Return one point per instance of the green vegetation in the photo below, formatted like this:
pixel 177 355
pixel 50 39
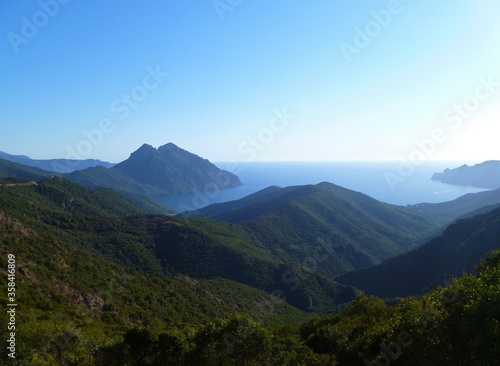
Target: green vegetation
pixel 111 178
pixel 296 223
pixel 76 286
pixel 465 206
pixel 55 165
pixel 204 248
pixel 167 170
pixel 103 222
pixel 9 169
pixel 146 203
pixel 101 282
pixel 460 247
pixel 453 325
pixel 10 180
pixel 96 177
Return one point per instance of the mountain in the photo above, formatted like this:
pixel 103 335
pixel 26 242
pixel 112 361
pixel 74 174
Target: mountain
pixel 464 205
pixel 111 178
pixel 55 165
pixel 455 324
pixel 291 225
pixel 175 170
pixel 100 282
pixel 147 174
pixel 484 175
pixel 204 248
pixel 457 250
pixel 96 239
pixel 104 222
pixel 17 173
pixel 83 279
pixel 168 170
pixel 9 169
pixel 247 207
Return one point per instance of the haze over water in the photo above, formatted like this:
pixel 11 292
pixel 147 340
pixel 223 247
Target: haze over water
pixel 366 177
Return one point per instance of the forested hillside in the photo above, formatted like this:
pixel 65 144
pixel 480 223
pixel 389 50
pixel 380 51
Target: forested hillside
pixel 461 246
pixel 99 281
pixel 290 223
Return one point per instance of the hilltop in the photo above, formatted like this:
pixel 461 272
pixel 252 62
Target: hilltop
pixel 104 282
pixel 146 175
pixel 289 224
pixel 418 271
pixel 484 175
pixel 105 223
pixel 168 170
pixel 55 165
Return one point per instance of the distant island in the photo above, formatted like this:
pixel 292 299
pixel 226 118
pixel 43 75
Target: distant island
pixel 484 175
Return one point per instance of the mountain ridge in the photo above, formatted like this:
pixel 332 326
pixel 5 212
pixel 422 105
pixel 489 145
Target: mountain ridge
pixel 463 205
pixel 288 222
pixel 103 278
pixel 103 222
pixel 482 175
pixel 168 170
pixel 420 270
pixel 55 165
pixel 9 169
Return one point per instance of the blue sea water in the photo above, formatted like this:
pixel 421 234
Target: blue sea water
pixel 385 181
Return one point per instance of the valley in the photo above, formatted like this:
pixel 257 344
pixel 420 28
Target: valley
pixel 249 183
pixel 281 257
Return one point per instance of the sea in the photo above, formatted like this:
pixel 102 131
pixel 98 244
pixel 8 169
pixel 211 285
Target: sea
pixel 396 182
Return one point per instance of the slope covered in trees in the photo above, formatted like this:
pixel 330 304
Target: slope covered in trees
pixel 289 224
pixel 457 250
pixel 168 170
pixel 101 282
pixel 105 223
pixel 462 206
pixel 55 165
pixel 9 169
pixel 453 325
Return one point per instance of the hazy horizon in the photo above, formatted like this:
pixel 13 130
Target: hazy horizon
pixel 251 81
pixel 217 162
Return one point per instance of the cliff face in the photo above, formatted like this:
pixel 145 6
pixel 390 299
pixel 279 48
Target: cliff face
pixel 175 170
pixel 166 171
pixel 484 175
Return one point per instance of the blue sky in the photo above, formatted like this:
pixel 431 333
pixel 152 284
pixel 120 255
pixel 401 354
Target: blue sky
pixel 251 80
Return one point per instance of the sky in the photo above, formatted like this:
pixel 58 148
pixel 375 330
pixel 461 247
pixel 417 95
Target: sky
pixel 260 80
